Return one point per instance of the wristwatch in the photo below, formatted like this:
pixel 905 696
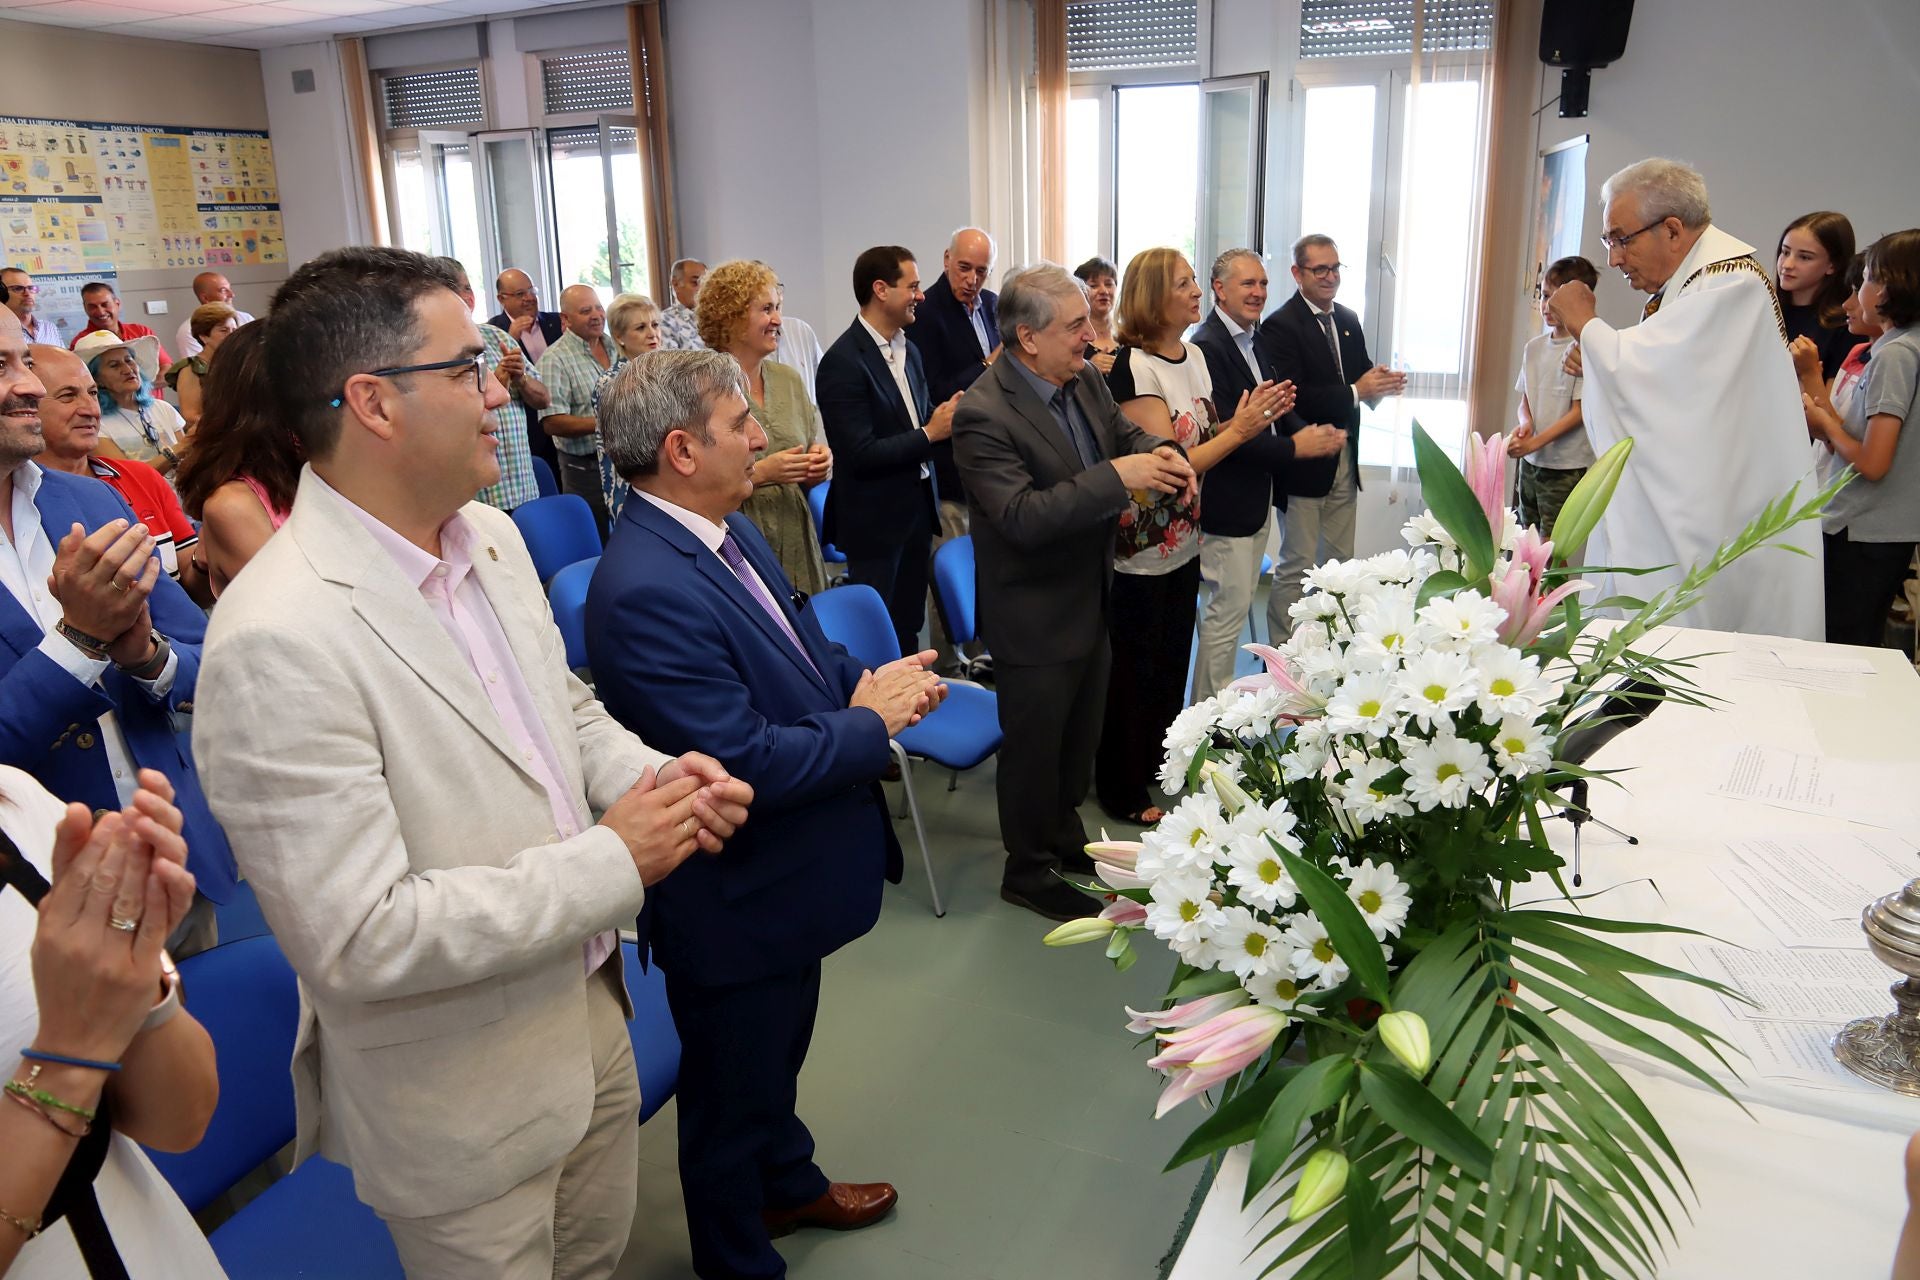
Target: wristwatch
pixel 169 1004
pixel 155 663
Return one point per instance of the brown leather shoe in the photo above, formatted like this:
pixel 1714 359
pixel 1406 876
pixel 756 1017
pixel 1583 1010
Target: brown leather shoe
pixel 847 1206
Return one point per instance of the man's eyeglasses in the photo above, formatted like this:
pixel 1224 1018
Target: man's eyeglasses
pixel 477 360
pixel 520 293
pixel 1621 242
pixel 1324 272
pixel 31 290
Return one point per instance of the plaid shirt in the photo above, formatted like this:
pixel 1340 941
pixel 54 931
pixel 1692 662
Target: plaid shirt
pixel 678 332
pixel 517 484
pixel 571 373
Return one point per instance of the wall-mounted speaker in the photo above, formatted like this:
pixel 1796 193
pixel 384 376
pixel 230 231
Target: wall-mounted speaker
pixel 1580 35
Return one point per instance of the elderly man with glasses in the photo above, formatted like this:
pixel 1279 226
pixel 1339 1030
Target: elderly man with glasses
pixel 1318 345
pixel 1705 387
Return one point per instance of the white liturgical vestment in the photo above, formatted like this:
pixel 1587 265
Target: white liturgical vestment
pixel 1705 387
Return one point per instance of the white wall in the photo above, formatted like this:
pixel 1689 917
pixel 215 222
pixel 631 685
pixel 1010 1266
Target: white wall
pixel 318 184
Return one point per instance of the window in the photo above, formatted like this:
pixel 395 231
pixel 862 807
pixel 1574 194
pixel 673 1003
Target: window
pixel 596 81
pixel 1156 168
pixel 431 99
pixel 1366 28
pixel 584 162
pixel 1113 35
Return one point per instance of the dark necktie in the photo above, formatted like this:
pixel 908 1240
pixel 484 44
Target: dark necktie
pixel 1077 434
pixel 1333 343
pixel 737 561
pixel 1653 304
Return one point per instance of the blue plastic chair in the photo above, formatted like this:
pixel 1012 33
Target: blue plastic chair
pixel 817 503
pixel 656 1043
pixel 309 1222
pixel 543 478
pixel 567 593
pixel 956 591
pixel 961 733
pixel 559 531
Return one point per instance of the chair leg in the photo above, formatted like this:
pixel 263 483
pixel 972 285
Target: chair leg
pixel 953 783
pixel 919 830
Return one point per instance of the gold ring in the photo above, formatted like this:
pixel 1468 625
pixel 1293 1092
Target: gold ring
pixel 116 584
pixel 123 925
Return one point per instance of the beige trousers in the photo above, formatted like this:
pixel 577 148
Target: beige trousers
pixel 569 1221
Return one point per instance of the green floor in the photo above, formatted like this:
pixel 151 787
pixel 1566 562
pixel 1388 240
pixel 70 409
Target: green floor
pixel 989 1078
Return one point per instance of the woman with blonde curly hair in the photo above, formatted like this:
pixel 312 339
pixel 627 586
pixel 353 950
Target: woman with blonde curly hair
pixel 738 312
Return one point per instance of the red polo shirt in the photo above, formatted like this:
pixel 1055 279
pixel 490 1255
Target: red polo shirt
pixel 154 504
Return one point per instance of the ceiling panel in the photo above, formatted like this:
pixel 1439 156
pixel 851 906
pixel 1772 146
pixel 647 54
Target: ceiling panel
pixel 257 24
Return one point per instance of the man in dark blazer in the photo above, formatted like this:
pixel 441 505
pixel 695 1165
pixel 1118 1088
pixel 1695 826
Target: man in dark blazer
pixel 98 669
pixel 957 334
pixel 694 632
pixel 1048 460
pixel 883 428
pixel 1319 346
pixel 1240 491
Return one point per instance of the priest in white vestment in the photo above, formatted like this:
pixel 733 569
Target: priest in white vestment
pixel 1706 388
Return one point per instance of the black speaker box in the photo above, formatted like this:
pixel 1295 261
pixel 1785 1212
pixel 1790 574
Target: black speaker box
pixel 1584 33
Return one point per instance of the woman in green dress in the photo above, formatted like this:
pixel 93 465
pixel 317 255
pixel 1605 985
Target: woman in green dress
pixel 738 312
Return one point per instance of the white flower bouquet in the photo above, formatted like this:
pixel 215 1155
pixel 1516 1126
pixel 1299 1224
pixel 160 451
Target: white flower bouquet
pixel 1355 985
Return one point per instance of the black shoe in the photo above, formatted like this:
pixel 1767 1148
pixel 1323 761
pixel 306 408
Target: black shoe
pixel 1077 863
pixel 1057 901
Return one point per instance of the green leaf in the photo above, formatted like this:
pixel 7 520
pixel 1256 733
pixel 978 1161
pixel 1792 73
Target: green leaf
pixel 1405 1103
pixel 1367 1229
pixel 1451 500
pixel 1236 1120
pixel 1443 583
pixel 1346 927
pixel 1207 982
pixel 1318 1086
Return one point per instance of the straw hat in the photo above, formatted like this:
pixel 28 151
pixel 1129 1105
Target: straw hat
pixel 146 351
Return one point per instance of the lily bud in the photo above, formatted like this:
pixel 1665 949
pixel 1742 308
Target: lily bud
pixel 1233 797
pixel 1322 1181
pixel 1405 1035
pixel 1074 932
pixel 1588 501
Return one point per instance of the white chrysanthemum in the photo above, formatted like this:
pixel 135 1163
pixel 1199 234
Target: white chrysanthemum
pixel 1339 577
pixel 1276 990
pixel 1382 897
pixel 1366 702
pixel 1394 566
pixel 1320 670
pixel 1186 840
pixel 1181 912
pixel 1446 772
pixel 1313 953
pixel 1424 530
pixel 1306 753
pixel 1512 682
pixel 1251 714
pixel 1246 946
pixel 1253 868
pixel 1387 631
pixel 1315 606
pixel 1466 617
pixel 1520 747
pixel 1437 684
pixel 1361 802
pixel 1509 530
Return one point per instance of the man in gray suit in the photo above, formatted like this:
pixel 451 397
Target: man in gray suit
pixel 1047 460
pixel 408 773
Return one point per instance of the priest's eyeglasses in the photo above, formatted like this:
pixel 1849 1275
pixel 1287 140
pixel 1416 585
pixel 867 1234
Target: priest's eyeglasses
pixel 1621 242
pixel 477 360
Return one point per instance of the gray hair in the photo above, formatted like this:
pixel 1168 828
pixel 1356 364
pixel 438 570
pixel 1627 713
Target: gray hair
pixel 1665 188
pixel 1314 241
pixel 1028 296
pixel 657 394
pixel 452 266
pixel 1223 264
pixel 679 271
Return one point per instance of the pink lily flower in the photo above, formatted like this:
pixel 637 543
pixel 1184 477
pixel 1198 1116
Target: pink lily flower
pixel 1487 476
pixel 1124 912
pixel 1186 1015
pixel 1200 1057
pixel 1124 854
pixel 1276 673
pixel 1527 614
pixel 1535 552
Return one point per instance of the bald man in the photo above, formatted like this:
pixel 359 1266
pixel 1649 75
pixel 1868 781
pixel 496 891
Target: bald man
pixel 571 369
pixel 208 286
pixel 957 335
pixel 520 315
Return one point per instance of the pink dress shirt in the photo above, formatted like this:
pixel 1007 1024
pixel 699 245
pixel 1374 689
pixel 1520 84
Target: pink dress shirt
pixel 461 607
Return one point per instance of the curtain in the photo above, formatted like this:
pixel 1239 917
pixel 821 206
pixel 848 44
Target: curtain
pixel 1050 85
pixel 647 52
pixel 363 135
pixel 1007 202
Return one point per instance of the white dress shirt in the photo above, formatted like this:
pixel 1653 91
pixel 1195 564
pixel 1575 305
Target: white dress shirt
pixel 1243 339
pixel 188 345
pixel 894 351
pixel 26 559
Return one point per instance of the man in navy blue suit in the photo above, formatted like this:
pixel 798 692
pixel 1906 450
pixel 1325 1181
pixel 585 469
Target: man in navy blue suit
pixel 99 649
pixel 957 334
pixel 694 632
pixel 883 427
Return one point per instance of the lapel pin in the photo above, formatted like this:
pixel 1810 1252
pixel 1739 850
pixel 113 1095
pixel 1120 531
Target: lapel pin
pixel 493 553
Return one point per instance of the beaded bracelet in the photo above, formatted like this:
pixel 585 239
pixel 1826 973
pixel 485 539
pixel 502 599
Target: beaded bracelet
pixel 25 1089
pixel 46 1115
pixel 28 1227
pixel 41 1055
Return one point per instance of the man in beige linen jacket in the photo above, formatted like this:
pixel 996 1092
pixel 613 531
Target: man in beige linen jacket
pixel 407 770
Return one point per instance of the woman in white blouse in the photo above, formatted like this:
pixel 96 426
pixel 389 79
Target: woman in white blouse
pixel 90 1007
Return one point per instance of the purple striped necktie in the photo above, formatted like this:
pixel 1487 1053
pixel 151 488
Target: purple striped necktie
pixel 737 561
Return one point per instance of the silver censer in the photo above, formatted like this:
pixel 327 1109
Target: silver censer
pixel 1887 1050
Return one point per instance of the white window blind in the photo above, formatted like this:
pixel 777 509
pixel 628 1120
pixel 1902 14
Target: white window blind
pixel 1114 35
pixel 597 81
pixel 1360 28
pixel 428 99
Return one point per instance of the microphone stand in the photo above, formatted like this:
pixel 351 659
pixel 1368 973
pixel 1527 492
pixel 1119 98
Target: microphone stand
pixel 1578 814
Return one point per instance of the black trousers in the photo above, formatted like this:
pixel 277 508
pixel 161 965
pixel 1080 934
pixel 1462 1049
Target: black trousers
pixel 1150 622
pixel 900 576
pixel 1862 578
pixel 1050 716
pixel 580 473
pixel 742 1148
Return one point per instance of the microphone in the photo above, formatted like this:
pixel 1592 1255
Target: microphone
pixel 1625 706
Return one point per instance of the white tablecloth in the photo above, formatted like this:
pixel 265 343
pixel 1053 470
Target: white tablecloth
pixel 1811 1185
